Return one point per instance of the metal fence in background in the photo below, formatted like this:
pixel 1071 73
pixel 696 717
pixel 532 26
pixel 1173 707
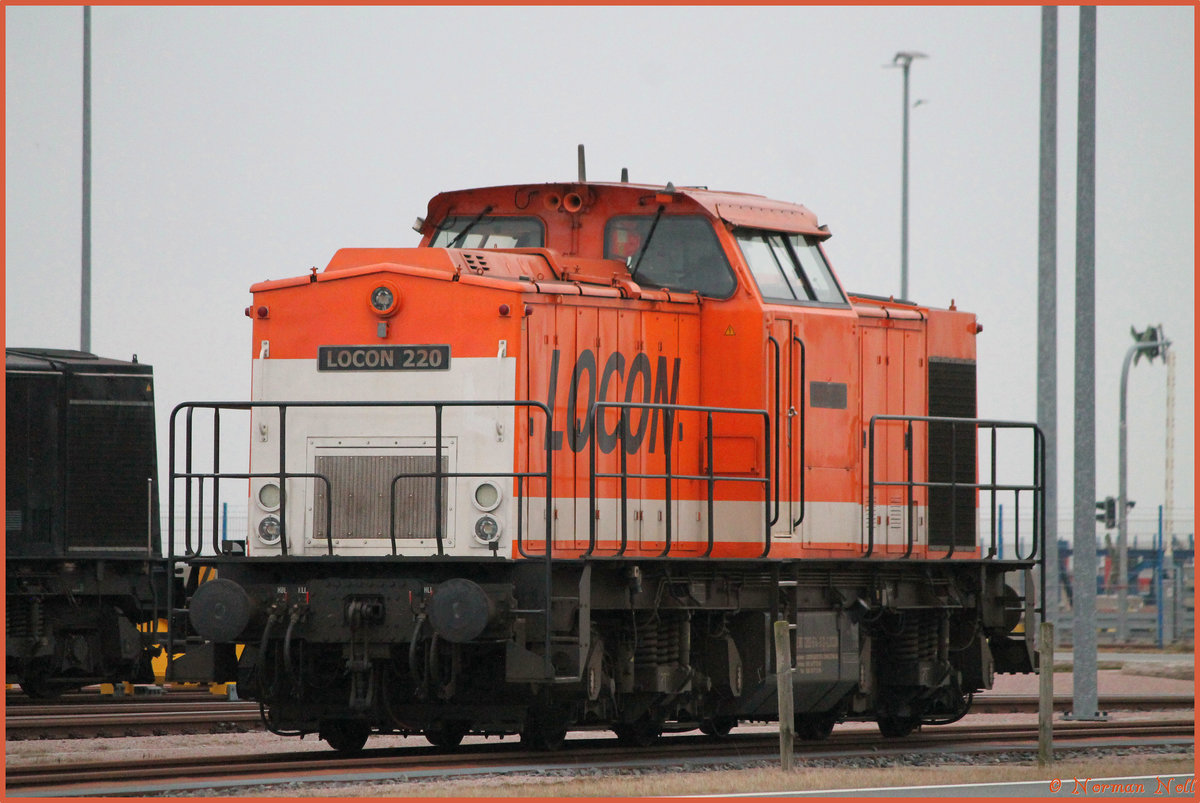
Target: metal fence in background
pixel 232 523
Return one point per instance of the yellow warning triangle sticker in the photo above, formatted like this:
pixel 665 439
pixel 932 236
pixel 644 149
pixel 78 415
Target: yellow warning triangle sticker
pixel 729 331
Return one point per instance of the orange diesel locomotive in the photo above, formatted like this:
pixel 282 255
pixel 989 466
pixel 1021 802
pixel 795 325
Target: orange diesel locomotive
pixel 566 462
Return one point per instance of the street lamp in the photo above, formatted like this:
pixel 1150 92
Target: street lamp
pixel 904 60
pixel 1151 343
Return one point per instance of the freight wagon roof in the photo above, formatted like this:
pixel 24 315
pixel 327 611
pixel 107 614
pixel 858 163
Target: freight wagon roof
pixel 62 360
pixel 737 208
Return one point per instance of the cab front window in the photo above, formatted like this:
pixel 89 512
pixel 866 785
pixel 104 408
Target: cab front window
pixel 672 252
pixel 476 231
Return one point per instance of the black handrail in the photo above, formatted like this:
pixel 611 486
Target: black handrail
pixel 282 474
pixel 803 406
pixel 217 476
pixel 710 477
pixel 771 339
pixel 1037 486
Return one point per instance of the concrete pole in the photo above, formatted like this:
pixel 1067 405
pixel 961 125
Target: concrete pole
pixel 85 294
pixel 1086 697
pixel 1047 327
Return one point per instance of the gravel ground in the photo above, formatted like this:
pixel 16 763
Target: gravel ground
pixel 827 774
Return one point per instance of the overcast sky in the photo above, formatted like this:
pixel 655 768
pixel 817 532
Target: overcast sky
pixel 232 145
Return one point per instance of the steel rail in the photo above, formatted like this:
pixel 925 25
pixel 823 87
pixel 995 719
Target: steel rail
pixel 125 716
pixel 745 747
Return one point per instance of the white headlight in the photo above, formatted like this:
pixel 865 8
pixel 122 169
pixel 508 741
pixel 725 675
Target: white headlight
pixel 487 496
pixel 268 496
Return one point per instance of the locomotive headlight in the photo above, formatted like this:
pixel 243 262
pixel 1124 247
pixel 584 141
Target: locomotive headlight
pixel 384 299
pixel 487 496
pixel 268 530
pixel 268 496
pixel 487 530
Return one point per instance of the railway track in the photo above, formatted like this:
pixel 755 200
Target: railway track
pixel 413 763
pixel 188 712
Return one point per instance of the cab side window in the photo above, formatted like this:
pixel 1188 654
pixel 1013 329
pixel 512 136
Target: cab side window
pixel 789 267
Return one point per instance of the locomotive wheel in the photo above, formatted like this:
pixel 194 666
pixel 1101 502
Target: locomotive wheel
pixel 718 726
pixel 446 735
pixel 642 733
pixel 896 727
pixel 345 735
pixel 814 727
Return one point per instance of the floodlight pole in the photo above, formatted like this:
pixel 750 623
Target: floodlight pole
pixel 85 294
pixel 904 60
pixel 1085 695
pixel 1047 328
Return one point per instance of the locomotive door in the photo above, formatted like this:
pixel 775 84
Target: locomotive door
pixel 883 383
pixel 819 444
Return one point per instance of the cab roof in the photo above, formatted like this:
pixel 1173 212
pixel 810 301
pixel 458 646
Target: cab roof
pixel 735 208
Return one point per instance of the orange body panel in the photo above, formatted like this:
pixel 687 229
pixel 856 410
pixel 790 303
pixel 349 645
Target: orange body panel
pixel 583 329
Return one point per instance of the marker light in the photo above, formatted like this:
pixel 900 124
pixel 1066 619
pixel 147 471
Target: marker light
pixel 487 530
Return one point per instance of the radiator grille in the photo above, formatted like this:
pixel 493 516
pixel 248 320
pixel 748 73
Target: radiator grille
pixel 110 457
pixel 951 454
pixel 360 486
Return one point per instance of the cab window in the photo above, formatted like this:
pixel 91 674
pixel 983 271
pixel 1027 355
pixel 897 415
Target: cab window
pixel 789 267
pixel 473 231
pixel 679 252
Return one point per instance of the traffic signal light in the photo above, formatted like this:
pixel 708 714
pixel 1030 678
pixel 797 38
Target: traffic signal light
pixel 1108 514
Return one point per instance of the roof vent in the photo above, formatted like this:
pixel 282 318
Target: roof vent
pixel 475 262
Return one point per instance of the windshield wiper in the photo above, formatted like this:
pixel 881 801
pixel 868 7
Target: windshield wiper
pixel 462 235
pixel 646 243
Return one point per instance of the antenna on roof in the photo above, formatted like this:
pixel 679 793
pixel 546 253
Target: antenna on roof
pixel 582 170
